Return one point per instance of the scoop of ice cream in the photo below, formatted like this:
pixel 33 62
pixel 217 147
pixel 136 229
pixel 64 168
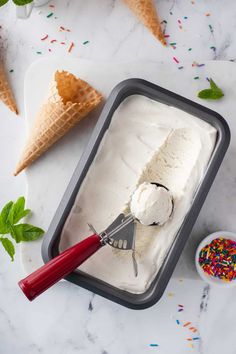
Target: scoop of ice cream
pixel 151 203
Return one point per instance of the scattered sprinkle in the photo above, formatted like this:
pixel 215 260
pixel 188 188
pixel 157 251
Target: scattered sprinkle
pixel 62 28
pixel 189 49
pixel 211 28
pixel 39 52
pixel 180 310
pixel 208 14
pixel 171 13
pixel 62 43
pixel 181 305
pixel 166 35
pixel 50 15
pixel 43 39
pixel 196 338
pixel 196 77
pixel 49 49
pixel 71 47
pixel 189 339
pixel 218 259
pixel 153 345
pixel 176 60
pixel 52 6
pixel 200 65
pixel 11 71
pixel 186 324
pixel 213 48
pixel 53 41
pixel 170 294
pixel 185 17
pixel 164 21
pixel 180 67
pixel 173 43
pixel 85 42
pixel 177 321
pixel 180 27
pixel 179 22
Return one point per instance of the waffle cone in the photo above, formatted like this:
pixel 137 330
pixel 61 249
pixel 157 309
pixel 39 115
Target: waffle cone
pixel 6 95
pixel 70 100
pixel 146 12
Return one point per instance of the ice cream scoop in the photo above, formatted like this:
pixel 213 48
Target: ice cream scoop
pixel 151 204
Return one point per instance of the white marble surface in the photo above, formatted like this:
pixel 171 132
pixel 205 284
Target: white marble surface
pixel 71 320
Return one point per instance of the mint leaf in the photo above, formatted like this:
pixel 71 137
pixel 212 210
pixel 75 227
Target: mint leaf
pixel 8 246
pixel 5 213
pixel 3 2
pixel 18 211
pixel 210 94
pixel 4 228
pixel 26 232
pixel 213 93
pixel 214 86
pixel 22 2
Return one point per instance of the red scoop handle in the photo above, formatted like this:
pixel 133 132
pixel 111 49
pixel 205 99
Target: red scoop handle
pixel 57 268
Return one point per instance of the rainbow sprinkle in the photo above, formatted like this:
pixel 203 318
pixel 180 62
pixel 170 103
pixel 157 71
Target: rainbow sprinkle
pixel 71 47
pixel 176 60
pixel 50 15
pixel 43 39
pixel 219 259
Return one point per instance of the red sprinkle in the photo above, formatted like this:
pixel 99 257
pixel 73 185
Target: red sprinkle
pixel 71 47
pixel 53 41
pixel 166 35
pixel 43 39
pixel 176 60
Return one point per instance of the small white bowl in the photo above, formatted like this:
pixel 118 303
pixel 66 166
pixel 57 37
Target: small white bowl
pixel 208 278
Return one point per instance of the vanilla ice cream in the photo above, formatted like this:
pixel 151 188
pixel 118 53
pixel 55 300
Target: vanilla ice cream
pixel 151 204
pixel 147 141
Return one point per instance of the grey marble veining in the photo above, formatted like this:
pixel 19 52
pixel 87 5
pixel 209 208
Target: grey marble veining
pixel 67 319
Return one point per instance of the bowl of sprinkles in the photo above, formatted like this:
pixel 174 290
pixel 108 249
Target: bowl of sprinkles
pixel 216 259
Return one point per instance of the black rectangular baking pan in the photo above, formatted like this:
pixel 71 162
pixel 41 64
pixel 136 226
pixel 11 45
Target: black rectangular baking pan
pixel 52 238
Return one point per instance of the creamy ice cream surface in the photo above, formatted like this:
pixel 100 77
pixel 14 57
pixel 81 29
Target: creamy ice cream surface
pixel 151 204
pixel 147 141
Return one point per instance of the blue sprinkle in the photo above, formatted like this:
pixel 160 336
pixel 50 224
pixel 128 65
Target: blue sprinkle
pixel 196 338
pixel 154 345
pixel 185 17
pixel 177 321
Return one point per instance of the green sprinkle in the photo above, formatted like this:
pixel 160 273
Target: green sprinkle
pixel 50 15
pixel 11 71
pixel 173 43
pixel 86 42
pixel 39 52
pixel 196 77
pixel 189 49
pixel 211 29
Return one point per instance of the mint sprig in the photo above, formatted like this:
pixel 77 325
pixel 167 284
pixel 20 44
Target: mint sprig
pixel 213 93
pixel 10 215
pixel 16 2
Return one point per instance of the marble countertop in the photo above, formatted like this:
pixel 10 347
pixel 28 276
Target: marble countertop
pixel 67 319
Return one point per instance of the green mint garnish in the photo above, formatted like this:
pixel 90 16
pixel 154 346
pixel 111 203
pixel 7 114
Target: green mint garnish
pixel 213 93
pixel 10 215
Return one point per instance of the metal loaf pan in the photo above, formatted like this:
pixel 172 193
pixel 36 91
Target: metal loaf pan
pixel 51 241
